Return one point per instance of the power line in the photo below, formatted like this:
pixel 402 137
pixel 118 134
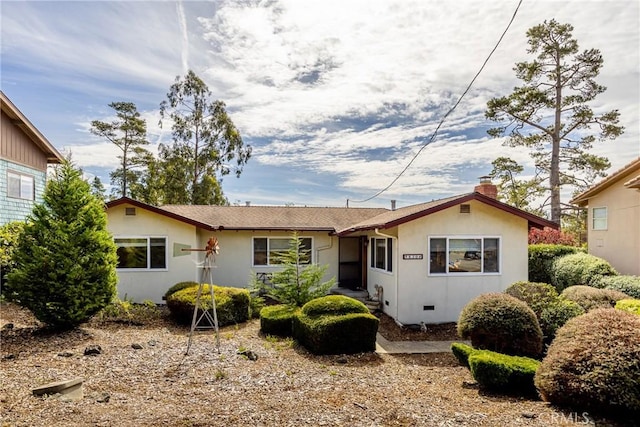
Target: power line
pixel 433 136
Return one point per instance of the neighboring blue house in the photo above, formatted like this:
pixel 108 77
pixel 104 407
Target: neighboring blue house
pixel 24 156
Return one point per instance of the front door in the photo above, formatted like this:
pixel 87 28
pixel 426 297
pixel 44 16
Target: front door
pixel 350 274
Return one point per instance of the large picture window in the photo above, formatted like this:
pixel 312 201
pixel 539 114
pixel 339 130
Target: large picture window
pixel 599 218
pixel 142 253
pixel 267 250
pixel 20 186
pixel 382 253
pixel 474 255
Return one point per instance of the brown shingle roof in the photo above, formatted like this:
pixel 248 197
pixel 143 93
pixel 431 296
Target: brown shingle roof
pixel 582 199
pixel 274 217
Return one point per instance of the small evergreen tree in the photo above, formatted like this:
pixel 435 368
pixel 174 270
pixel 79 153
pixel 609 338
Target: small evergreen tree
pixel 299 280
pixel 66 259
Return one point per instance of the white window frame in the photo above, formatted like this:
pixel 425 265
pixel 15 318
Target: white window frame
pixel 148 239
pixel 603 223
pixel 388 256
pixel 269 238
pixel 26 185
pixel 447 238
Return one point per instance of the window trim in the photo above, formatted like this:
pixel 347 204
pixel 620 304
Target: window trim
pixel 606 218
pixel 448 273
pixel 268 238
pixel 148 238
pixel 388 254
pixel 21 176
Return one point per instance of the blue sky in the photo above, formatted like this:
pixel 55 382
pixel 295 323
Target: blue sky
pixel 335 97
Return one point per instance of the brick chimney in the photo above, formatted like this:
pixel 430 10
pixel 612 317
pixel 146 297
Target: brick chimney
pixel 486 187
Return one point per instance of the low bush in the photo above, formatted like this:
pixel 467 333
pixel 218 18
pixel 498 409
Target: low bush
pixel 541 256
pixel 503 373
pixel 501 323
pixel 461 352
pixel 278 320
pixel 578 269
pixel 629 285
pixel 178 287
pixel 232 304
pixel 590 298
pixel 551 310
pixel 630 305
pixel 592 365
pixel 335 324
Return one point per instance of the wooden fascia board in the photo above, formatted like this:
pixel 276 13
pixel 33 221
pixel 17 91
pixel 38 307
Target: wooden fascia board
pixel 160 211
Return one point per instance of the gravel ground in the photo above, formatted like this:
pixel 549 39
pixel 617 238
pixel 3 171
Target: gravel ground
pixel 157 384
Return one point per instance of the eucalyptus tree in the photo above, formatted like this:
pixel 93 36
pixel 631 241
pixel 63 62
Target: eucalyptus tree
pixel 550 114
pixel 205 143
pixel 128 132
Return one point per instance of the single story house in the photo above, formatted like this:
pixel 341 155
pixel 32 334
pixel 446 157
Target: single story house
pixel 24 156
pixel 613 218
pixel 428 260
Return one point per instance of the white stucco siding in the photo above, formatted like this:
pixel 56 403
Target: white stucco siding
pixel 152 284
pixel 234 263
pixel 448 294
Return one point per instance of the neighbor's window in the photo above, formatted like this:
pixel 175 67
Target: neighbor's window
pixel 20 186
pixel 599 218
pixel 464 255
pixel 266 250
pixel 382 253
pixel 144 253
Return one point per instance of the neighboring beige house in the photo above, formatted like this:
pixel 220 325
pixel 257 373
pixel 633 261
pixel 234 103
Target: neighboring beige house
pixel 613 220
pixel 429 259
pixel 24 156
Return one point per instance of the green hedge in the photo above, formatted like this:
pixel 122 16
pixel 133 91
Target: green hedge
pixel 232 304
pixel 502 373
pixel 335 324
pixel 629 285
pixel 278 319
pixel 590 298
pixel 178 287
pixel 461 352
pixel 551 310
pixel 630 305
pixel 578 269
pixel 541 256
pixel 593 364
pixel 501 323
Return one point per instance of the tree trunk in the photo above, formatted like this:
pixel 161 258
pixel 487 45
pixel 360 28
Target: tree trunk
pixel 554 173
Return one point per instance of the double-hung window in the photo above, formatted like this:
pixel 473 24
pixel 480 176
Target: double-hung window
pixel 470 255
pixel 20 186
pixel 269 250
pixel 382 253
pixel 142 253
pixel 599 218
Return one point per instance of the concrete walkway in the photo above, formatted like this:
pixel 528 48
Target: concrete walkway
pixel 412 347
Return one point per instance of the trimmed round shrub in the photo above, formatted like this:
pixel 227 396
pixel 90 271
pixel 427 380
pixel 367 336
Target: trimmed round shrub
pixel 335 305
pixel 591 298
pixel 232 304
pixel 629 285
pixel 541 256
pixel 551 310
pixel 592 365
pixel 630 305
pixel 178 287
pixel 461 352
pixel 335 324
pixel 503 373
pixel 278 319
pixel 501 323
pixel 578 269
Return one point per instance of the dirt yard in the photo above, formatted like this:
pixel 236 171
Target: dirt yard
pixel 142 377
